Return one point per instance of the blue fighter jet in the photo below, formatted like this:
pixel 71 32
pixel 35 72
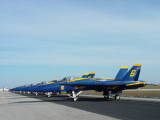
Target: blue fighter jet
pixel 110 88
pixel 74 86
pixel 54 86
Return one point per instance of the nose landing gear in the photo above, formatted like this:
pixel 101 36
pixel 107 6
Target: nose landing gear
pixel 75 95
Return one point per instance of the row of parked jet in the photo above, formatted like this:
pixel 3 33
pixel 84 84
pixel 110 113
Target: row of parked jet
pixel 73 86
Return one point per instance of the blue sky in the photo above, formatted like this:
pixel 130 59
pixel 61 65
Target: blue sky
pixel 44 40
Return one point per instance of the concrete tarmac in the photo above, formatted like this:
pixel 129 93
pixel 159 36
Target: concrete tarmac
pixel 123 109
pixel 19 107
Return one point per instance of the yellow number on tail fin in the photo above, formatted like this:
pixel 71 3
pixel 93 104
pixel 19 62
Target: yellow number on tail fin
pixel 132 73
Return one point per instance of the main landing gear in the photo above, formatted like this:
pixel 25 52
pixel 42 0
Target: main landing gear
pixel 48 94
pixel 110 94
pixel 107 94
pixel 75 95
pixel 36 93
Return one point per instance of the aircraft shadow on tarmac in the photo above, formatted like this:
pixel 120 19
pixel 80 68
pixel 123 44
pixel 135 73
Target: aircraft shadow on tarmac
pixel 16 97
pixel 26 102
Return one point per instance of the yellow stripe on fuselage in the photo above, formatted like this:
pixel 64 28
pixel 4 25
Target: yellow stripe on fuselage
pixel 48 83
pixel 76 79
pixel 106 78
pixel 79 87
pixel 143 83
pixel 54 80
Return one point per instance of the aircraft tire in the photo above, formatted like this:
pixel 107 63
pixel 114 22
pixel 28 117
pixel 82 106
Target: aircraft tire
pixel 117 97
pixel 75 99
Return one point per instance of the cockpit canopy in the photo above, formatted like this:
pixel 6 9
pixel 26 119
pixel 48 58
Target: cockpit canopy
pixel 68 78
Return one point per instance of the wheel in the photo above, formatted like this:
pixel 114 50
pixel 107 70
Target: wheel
pixel 117 97
pixel 75 99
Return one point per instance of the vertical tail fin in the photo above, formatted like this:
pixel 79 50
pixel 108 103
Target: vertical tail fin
pixel 122 72
pixel 91 75
pixel 85 75
pixel 133 73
